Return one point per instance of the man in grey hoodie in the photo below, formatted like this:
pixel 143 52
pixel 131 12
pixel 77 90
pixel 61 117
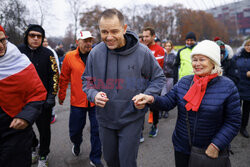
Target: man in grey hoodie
pixel 118 69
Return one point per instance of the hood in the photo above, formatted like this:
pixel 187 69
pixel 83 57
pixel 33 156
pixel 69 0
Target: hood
pixel 239 50
pixel 230 51
pixel 33 27
pixel 132 45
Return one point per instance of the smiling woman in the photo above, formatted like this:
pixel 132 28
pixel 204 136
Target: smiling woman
pixel 208 104
pixel 202 65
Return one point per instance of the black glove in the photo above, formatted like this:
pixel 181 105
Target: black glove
pixel 49 103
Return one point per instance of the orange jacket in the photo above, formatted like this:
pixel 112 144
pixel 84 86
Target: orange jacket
pixel 72 70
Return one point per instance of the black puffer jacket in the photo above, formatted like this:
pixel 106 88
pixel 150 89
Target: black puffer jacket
pixel 230 70
pixel 242 60
pixel 217 120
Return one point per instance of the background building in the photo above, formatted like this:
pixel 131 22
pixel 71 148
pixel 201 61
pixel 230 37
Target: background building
pixel 236 16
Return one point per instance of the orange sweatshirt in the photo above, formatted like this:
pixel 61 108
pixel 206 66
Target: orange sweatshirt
pixel 72 70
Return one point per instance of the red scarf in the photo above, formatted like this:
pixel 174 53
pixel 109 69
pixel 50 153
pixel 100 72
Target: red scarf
pixel 197 91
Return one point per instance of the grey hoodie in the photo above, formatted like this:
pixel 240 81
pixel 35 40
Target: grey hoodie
pixel 121 75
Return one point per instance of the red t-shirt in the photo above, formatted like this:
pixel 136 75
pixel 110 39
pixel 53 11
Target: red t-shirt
pixel 158 52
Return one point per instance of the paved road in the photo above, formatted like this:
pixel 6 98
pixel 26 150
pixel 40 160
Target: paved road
pixel 154 152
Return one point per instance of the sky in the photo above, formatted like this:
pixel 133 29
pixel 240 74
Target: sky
pixel 59 14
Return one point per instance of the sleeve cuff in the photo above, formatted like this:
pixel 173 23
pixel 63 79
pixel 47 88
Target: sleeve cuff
pixel 215 146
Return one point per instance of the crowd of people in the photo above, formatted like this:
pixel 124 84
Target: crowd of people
pixel 116 82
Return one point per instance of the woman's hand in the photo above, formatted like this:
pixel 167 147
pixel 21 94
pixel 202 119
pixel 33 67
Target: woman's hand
pixel 212 151
pixel 141 100
pixel 248 74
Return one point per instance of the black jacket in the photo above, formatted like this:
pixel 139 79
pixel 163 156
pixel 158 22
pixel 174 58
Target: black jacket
pixel 242 59
pixel 230 70
pixel 45 64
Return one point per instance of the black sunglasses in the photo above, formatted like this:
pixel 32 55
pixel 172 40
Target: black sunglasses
pixel 38 36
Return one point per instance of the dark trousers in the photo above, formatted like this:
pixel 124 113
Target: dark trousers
pixel 43 126
pixel 120 146
pixel 245 113
pixel 15 145
pixel 181 160
pixel 77 122
pixel 155 116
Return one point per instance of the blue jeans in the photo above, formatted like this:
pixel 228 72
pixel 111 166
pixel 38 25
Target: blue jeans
pixel 77 121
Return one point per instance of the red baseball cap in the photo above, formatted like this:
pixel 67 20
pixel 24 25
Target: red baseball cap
pixel 1 29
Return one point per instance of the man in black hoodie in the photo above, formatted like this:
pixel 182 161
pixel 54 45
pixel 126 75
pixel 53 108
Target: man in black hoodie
pixel 45 64
pixel 117 69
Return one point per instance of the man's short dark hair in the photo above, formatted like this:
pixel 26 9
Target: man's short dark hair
pixel 152 31
pixel 110 13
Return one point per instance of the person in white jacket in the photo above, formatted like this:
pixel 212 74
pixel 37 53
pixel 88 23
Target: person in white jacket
pixel 46 44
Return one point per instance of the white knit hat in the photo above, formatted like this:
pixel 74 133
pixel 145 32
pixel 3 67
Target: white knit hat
pixel 209 49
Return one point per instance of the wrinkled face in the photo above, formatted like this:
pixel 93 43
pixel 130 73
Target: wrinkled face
pixel 247 47
pixel 34 39
pixel 45 42
pixel 202 65
pixel 85 45
pixel 3 44
pixel 190 42
pixel 168 47
pixel 112 32
pixel 148 38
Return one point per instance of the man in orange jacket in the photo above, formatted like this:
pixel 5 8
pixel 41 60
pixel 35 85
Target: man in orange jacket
pixel 72 70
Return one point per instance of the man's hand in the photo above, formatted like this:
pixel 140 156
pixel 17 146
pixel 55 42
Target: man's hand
pixel 141 100
pixel 212 151
pixel 60 101
pixel 18 123
pixel 101 99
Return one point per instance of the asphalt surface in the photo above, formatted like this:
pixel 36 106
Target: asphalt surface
pixel 153 152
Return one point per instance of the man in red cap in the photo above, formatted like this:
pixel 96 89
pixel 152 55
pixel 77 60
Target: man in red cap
pixel 22 95
pixel 72 70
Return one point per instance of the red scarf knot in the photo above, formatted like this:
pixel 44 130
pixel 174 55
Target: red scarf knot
pixel 197 91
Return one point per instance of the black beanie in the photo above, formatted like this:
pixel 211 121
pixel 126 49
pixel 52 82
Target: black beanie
pixel 191 35
pixel 33 27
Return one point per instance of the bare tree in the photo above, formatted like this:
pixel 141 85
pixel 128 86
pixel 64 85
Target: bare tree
pixel 13 19
pixel 89 20
pixel 42 8
pixel 69 37
pixel 75 6
pixel 201 23
pixel 39 10
pixel 134 16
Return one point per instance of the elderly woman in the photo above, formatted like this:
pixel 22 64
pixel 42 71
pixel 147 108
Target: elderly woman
pixel 209 100
pixel 243 63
